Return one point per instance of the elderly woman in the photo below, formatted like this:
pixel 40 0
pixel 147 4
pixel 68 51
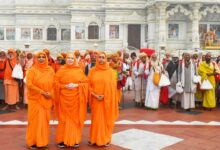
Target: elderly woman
pixel 40 81
pixel 71 102
pixel 103 101
pixel 153 90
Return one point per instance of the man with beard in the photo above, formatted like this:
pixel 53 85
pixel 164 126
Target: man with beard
pixel 153 89
pixel 208 70
pixel 59 62
pixel 133 61
pixel 11 85
pixel 164 91
pixel 91 64
pixel 126 71
pixel 187 71
pixel 141 70
pixel 172 69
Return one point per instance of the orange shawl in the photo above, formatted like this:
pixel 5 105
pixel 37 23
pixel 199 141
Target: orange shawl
pixel 102 82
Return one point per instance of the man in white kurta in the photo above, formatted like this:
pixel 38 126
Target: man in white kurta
pixel 152 90
pixel 187 71
pixel 140 71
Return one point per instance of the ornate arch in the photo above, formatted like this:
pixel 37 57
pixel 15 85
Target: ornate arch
pixel 181 9
pixel 93 19
pixel 52 22
pixel 213 9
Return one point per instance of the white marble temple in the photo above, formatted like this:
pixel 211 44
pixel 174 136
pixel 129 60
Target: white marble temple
pixel 187 15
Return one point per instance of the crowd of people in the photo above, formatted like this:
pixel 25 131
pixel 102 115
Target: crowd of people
pixel 75 81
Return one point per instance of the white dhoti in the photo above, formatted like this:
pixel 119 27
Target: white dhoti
pixel 129 83
pixel 188 100
pixel 140 88
pixel 152 94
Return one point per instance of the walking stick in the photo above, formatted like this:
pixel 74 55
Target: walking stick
pixel 141 92
pixel 123 100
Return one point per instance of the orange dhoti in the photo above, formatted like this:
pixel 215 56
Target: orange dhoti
pixel 38 125
pixel 100 131
pixel 69 132
pixel 104 112
pixel 11 92
pixel 72 112
pixel 70 104
pixel 40 79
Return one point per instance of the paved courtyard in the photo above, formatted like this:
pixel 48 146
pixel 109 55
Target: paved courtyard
pixel 136 128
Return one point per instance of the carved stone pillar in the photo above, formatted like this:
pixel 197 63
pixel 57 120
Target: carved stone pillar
pixel 151 21
pixel 162 31
pixel 195 25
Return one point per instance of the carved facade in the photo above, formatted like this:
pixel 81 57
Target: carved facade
pixel 165 24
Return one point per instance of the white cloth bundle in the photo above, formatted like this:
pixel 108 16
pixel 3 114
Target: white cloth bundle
pixel 206 85
pixel 172 92
pixel 17 72
pixel 179 88
pixel 164 80
pixel 197 79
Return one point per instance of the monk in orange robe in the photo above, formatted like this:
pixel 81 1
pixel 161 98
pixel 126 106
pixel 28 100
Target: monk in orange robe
pixel 59 62
pixel 103 101
pixel 116 65
pixel 79 60
pixel 71 88
pixel 51 61
pixel 11 85
pixel 39 82
pixel 28 65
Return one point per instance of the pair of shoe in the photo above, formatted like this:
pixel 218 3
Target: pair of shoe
pixel 35 146
pixel 106 145
pixel 62 145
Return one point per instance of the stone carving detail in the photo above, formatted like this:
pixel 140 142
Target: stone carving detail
pixel 181 9
pixel 213 9
pixel 134 17
pixel 150 3
pixel 93 18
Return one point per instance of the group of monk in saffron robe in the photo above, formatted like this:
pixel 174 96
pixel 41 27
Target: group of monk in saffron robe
pixel 75 81
pixel 69 90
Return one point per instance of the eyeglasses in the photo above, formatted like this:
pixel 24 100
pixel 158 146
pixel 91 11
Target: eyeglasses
pixel 101 57
pixel 41 57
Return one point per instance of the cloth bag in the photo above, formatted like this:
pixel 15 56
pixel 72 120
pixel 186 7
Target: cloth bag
pixel 197 79
pixel 171 91
pixel 179 88
pixel 206 85
pixel 17 72
pixel 156 78
pixel 164 81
